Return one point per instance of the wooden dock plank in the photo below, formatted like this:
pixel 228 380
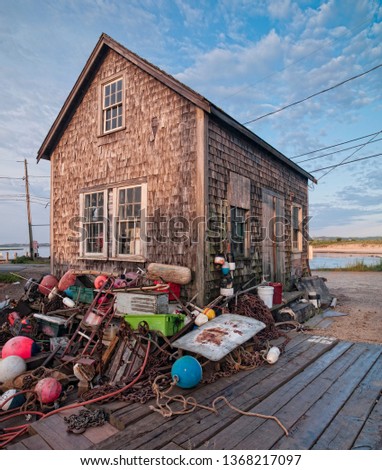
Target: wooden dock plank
pixel 370 437
pixel 233 434
pixel 306 430
pixel 17 446
pixel 207 429
pixel 54 431
pixel 154 427
pixel 345 427
pixel 36 442
pixel 172 446
pixel 243 393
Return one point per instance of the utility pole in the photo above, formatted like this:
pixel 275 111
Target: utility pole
pixel 31 250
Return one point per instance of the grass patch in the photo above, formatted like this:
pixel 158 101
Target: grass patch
pixel 357 266
pixel 8 278
pixel 340 241
pixel 27 260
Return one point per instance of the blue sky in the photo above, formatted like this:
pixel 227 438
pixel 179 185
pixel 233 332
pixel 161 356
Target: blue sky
pixel 248 57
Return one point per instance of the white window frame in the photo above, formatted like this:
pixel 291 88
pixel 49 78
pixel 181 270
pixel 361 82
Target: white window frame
pixel 91 255
pixel 140 247
pixel 114 104
pixel 298 242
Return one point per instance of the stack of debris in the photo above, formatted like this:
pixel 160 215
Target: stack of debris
pixel 90 337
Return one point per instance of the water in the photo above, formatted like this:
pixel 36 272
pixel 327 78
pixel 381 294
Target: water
pixel 43 251
pixel 341 260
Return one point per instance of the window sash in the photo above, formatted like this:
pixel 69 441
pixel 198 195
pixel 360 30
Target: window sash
pixel 129 202
pixel 93 223
pixel 112 105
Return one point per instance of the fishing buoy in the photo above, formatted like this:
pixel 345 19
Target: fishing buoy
pixel 210 313
pixel 187 371
pixel 8 401
pixel 100 281
pixel 273 355
pixel 21 346
pixel 11 367
pixel 169 273
pixel 67 280
pixel 68 302
pixel 201 319
pixel 47 284
pixel 48 390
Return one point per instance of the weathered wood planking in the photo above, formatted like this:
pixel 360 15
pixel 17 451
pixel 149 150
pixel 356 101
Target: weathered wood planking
pixel 35 442
pixel 54 431
pixel 345 427
pixel 370 436
pixel 210 426
pixel 306 430
pixel 292 401
pixel 154 432
pixel 231 435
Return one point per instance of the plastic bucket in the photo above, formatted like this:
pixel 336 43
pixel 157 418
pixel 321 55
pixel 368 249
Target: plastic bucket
pixel 278 292
pixel 266 295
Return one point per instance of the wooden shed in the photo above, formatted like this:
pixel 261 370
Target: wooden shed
pixel 144 169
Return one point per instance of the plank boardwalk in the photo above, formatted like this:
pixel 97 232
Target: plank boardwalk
pixel 325 392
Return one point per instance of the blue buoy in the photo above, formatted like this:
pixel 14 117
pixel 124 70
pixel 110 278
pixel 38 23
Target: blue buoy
pixel 187 371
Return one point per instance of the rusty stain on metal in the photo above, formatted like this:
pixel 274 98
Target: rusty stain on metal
pixel 211 335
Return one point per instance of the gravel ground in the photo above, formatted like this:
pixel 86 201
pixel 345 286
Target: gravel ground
pixel 359 294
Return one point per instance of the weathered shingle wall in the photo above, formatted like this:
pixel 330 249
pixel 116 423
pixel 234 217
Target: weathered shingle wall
pixel 231 152
pixel 158 146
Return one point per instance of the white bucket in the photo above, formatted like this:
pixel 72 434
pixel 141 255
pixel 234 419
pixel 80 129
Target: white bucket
pixel 266 295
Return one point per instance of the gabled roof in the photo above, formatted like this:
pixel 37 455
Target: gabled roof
pixel 104 44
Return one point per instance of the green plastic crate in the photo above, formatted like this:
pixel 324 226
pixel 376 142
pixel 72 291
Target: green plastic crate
pixel 84 295
pixel 168 324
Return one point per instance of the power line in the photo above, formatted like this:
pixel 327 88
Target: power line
pixel 314 94
pixel 346 163
pixel 335 145
pixel 347 158
pixel 337 151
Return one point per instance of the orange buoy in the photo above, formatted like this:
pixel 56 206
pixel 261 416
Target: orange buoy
pixel 48 390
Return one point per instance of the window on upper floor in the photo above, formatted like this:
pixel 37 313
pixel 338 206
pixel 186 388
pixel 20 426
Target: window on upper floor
pixel 112 106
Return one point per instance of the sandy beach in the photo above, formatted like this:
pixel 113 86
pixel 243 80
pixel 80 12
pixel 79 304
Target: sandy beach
pixel 358 248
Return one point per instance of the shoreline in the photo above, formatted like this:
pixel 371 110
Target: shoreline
pixel 352 248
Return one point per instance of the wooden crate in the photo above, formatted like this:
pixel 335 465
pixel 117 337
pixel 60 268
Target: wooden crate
pixel 133 303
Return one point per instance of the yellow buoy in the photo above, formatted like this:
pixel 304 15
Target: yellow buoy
pixel 210 313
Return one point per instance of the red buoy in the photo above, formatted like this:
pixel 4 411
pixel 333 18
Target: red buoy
pixel 21 346
pixel 47 284
pixel 100 281
pixel 48 390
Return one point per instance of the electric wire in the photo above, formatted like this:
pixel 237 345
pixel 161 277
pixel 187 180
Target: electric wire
pixel 349 156
pixel 313 95
pixel 345 163
pixel 336 151
pixel 335 145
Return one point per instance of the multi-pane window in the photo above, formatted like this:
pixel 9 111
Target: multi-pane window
pixel 238 238
pixel 112 105
pixel 296 228
pixel 128 223
pixel 94 224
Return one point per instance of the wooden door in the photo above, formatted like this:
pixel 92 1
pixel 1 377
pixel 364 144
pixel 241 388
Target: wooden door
pixel 273 222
